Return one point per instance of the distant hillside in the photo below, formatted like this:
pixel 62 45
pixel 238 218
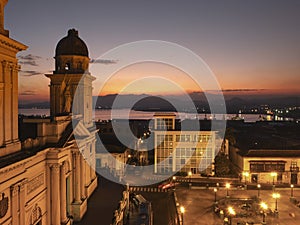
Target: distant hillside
pixel 39 105
pixel 168 103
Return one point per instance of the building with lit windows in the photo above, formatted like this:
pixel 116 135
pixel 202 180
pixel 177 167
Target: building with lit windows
pixel 188 150
pixel 267 152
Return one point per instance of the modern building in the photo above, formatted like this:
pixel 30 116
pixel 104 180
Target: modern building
pixel 47 175
pixel 267 152
pixel 182 146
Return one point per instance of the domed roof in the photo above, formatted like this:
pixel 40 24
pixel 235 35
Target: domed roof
pixel 71 45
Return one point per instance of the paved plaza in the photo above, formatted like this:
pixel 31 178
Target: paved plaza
pixel 198 204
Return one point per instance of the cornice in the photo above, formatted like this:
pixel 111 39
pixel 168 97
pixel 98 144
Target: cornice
pixel 8 42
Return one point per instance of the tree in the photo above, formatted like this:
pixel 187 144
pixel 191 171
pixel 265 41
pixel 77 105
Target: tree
pixel 222 165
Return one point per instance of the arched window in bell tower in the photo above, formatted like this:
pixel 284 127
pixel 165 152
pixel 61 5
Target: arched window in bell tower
pixel 68 66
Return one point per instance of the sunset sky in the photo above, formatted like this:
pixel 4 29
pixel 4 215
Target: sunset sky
pixel 249 45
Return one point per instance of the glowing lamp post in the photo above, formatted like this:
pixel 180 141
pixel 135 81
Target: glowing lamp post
pixel 231 212
pixel 276 196
pixel 182 210
pixel 292 191
pixel 264 207
pixel 190 179
pixel 258 191
pixel 227 185
pixel 215 191
pixel 174 182
pixel 273 175
pixel 246 175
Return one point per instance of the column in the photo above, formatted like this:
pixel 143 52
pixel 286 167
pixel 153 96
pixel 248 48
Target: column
pixel 91 170
pixel 22 203
pixel 93 161
pixel 14 91
pixel 77 177
pixel 7 101
pixel 63 195
pixel 82 176
pixel 14 204
pixel 55 194
pixel 1 112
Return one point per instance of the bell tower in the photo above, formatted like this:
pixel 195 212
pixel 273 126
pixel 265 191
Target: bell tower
pixel 71 82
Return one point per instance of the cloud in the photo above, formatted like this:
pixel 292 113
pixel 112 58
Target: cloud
pixel 29 59
pixel 27 92
pixel 104 61
pixel 31 63
pixel 29 73
pixel 242 90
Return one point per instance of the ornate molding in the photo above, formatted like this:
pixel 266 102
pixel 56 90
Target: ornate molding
pixel 6 65
pixel 12 44
pixel 4 171
pixel 55 167
pixel 36 214
pixel 67 166
pixel 22 185
pixel 35 183
pixel 14 190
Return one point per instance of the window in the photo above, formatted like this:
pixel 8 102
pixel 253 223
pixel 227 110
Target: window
pixel 183 138
pixel 267 166
pixel 68 66
pixel 164 123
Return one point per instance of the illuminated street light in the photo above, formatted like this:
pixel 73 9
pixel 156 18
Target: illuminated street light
pixel 246 175
pixel 190 178
pixel 182 210
pixel 276 196
pixel 231 212
pixel 264 207
pixel 292 191
pixel 227 185
pixel 258 191
pixel 174 182
pixel 215 191
pixel 273 174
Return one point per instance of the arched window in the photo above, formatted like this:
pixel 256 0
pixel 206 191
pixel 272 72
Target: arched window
pixel 68 66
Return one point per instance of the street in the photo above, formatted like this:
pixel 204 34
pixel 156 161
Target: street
pixel 102 203
pixel 164 210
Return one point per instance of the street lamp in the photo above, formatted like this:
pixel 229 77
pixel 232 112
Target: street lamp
pixel 227 185
pixel 190 178
pixel 264 207
pixel 231 212
pixel 258 190
pixel 182 210
pixel 246 175
pixel 174 182
pixel 215 191
pixel 292 191
pixel 273 174
pixel 276 196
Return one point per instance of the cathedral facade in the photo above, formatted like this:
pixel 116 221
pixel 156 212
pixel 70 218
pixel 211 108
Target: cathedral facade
pixel 48 173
